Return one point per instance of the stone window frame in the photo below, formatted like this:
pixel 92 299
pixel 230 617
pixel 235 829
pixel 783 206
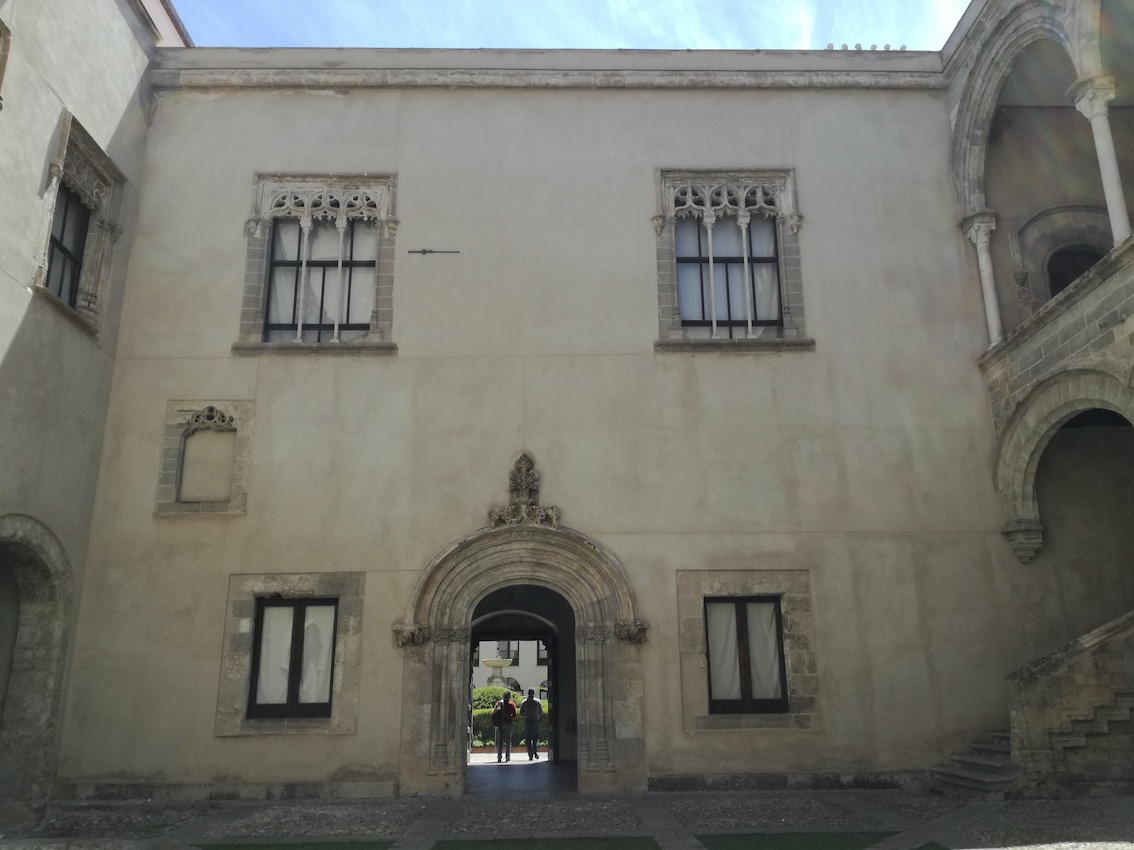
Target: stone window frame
pixel 184 417
pixel 800 658
pixel 236 660
pixel 370 197
pixel 779 186
pixel 1044 234
pixel 81 165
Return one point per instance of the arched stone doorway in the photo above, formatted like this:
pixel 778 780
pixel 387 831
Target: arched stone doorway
pixel 524 546
pixel 35 569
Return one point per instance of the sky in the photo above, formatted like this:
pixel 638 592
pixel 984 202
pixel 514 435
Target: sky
pixel 595 24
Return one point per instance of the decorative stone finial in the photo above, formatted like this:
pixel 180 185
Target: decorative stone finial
pixel 524 507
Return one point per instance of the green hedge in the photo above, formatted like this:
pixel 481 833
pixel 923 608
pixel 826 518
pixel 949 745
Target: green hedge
pixel 484 733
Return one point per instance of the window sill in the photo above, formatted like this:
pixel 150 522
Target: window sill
pixel 329 349
pixel 725 722
pixel 735 346
pixel 198 509
pixel 69 312
pixel 283 726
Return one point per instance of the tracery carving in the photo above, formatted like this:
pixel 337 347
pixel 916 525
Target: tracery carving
pixel 410 635
pixel 710 195
pixel 631 631
pixel 524 507
pixel 461 634
pixel 593 633
pixel 210 419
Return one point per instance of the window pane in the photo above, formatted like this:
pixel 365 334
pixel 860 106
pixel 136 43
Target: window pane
pixel 726 238
pixel 59 214
pixel 331 296
pixel 275 655
pixel 764 650
pixel 766 281
pixel 281 299
pixel 737 304
pixel 720 291
pixel 762 237
pixel 361 300
pixel 365 241
pixel 689 290
pixel 75 226
pixel 286 243
pixel 323 243
pixel 724 661
pixel 311 307
pixel 686 233
pixel 318 654
pixel 55 270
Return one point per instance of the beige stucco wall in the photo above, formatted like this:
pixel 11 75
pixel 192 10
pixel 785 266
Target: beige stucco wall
pixel 87 58
pixel 865 462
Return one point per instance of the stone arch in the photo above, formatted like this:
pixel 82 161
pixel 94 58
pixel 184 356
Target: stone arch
pixel 1050 404
pixel 28 728
pixel 1044 234
pixel 437 631
pixel 1024 26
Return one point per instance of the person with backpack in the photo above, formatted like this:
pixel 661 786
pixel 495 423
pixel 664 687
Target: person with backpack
pixel 531 710
pixel 503 713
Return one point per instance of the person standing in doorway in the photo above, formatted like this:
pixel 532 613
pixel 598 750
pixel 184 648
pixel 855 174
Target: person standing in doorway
pixel 532 711
pixel 507 710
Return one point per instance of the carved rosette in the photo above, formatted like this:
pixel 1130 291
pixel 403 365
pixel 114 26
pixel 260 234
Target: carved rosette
pixel 1025 536
pixel 631 631
pixel 524 507
pixel 210 419
pixel 410 635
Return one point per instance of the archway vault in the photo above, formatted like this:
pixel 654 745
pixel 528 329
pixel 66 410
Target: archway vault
pixel 28 728
pixel 524 545
pixel 1051 403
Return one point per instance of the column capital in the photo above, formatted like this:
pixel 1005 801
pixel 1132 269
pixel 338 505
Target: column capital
pixel 1092 94
pixel 978 226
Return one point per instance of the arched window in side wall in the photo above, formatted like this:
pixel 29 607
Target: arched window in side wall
pixel 1068 264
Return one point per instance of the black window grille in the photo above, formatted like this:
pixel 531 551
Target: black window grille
pixel 68 240
pixel 293 654
pixel 694 293
pixel 310 293
pixel 508 649
pixel 541 654
pixel 745 645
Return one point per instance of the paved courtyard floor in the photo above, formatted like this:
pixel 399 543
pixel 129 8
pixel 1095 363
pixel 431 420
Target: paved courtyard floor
pixel 890 820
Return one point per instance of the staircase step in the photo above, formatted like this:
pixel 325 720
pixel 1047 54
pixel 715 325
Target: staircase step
pixel 1001 736
pixel 978 779
pixel 991 747
pixel 998 764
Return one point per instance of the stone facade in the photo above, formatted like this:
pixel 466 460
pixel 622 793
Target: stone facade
pixel 543 444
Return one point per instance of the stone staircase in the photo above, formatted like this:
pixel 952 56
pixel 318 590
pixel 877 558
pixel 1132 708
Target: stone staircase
pixel 987 767
pixel 1101 722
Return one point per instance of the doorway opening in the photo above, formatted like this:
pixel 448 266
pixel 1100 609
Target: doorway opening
pixel 533 629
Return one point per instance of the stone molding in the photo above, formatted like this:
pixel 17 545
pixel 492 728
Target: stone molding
pixel 183 418
pixel 707 195
pixel 435 637
pixel 239 630
pixel 28 728
pixel 80 165
pixel 308 197
pixel 316 79
pixel 1051 403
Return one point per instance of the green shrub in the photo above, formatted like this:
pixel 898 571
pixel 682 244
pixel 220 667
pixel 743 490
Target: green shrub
pixel 484 733
pixel 488 697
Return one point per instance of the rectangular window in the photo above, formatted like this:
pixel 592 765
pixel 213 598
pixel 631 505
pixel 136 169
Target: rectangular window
pixel 321 280
pixel 68 241
pixel 508 649
pixel 747 674
pixel 732 264
pixel 541 654
pixel 293 655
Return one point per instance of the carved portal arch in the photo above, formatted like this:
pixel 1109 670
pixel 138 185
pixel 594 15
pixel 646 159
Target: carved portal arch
pixel 42 574
pixel 437 631
pixel 1049 405
pixel 1023 27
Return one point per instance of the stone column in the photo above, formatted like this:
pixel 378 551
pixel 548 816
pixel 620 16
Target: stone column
pixel 978 227
pixel 1091 97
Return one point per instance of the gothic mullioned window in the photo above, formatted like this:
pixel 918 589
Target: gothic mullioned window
pixel 320 269
pixel 728 260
